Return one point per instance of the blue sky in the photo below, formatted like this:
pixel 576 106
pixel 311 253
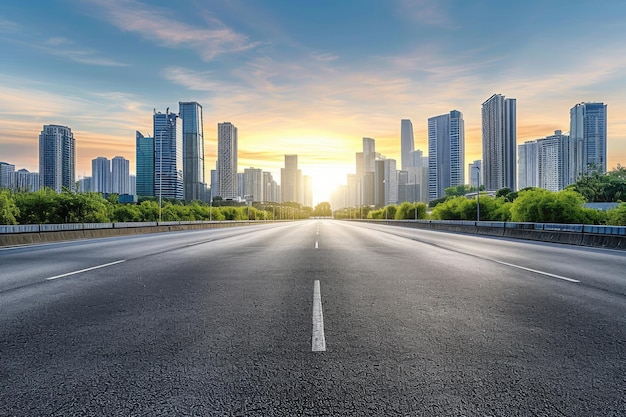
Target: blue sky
pixel 303 77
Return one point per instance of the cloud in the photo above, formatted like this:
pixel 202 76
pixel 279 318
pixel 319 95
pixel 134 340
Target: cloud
pixel 426 12
pixel 155 24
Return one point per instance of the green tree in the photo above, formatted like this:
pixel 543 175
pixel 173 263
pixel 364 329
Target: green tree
pixel 617 216
pixel 544 206
pixel 322 210
pixel 407 211
pixel 459 190
pixel 9 212
pixel 597 187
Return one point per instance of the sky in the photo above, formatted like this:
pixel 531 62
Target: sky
pixel 303 77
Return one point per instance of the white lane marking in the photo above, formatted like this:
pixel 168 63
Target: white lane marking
pixel 536 271
pixel 317 245
pixel 318 342
pixel 86 269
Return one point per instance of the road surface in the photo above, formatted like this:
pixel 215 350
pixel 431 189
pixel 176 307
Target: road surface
pixel 312 318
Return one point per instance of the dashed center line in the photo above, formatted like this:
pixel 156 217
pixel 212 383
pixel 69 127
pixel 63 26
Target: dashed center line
pixel 317 245
pixel 318 341
pixel 86 269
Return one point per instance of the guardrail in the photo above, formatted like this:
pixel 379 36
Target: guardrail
pixel 573 234
pixel 39 233
pixel 38 228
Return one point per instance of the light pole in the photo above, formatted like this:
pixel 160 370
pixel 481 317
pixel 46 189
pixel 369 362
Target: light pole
pixel 478 196
pixel 160 172
pixel 415 196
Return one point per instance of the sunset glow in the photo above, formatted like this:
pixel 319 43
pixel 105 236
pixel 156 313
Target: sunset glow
pixel 302 79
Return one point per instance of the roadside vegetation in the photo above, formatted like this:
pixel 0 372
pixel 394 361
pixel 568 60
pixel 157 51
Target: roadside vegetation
pixel 535 205
pixel 46 206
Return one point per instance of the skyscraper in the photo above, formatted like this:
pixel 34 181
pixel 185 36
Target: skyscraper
pixel 527 165
pixel 552 157
pixel 5 173
pixel 193 150
pixel 291 181
pixel 475 173
pixel 588 140
pixel 227 160
pixel 144 148
pixel 385 182
pixel 168 155
pixel 369 154
pixel 407 143
pixel 446 153
pixel 253 184
pixel 101 175
pixel 499 142
pixel 120 176
pixel 57 155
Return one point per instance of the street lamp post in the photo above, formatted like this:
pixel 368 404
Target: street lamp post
pixel 160 172
pixel 478 196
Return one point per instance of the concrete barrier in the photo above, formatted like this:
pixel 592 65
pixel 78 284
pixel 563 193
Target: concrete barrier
pixel 57 233
pixel 553 233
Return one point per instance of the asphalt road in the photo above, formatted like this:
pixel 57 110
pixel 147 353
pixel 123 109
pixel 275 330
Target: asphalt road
pixel 227 322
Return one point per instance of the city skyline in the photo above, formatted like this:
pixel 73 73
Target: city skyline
pixel 303 80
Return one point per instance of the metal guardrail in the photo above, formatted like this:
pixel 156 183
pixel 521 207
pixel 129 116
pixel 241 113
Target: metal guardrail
pixel 553 227
pixel 39 228
pixel 548 227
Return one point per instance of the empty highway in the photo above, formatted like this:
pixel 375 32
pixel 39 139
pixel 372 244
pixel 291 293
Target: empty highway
pixel 312 318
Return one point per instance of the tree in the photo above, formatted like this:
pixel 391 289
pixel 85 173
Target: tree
pixel 597 187
pixel 322 210
pixel 459 190
pixel 407 211
pixel 543 206
pixel 617 216
pixel 9 212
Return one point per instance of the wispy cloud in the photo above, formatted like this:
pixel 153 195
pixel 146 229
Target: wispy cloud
pixel 68 49
pixel 156 24
pixel 426 12
pixel 8 26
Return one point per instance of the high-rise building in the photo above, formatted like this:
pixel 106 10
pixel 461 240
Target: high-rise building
pixel 241 184
pixel 57 156
pixel 84 185
pixel 253 184
pixel 385 182
pixel 144 148
pixel 227 160
pixel 307 191
pixel 215 184
pixel 475 173
pixel 588 140
pixel 407 143
pixel 368 184
pixel 369 154
pixel 24 181
pixel 120 175
pixel 5 172
pixel 193 150
pixel 291 181
pixel 553 166
pixel 101 175
pixel 418 176
pixel 499 142
pixel 446 153
pixel 527 165
pixel 168 155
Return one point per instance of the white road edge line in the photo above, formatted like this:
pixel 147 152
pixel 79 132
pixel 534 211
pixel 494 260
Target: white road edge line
pixel 536 271
pixel 318 342
pixel 86 269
